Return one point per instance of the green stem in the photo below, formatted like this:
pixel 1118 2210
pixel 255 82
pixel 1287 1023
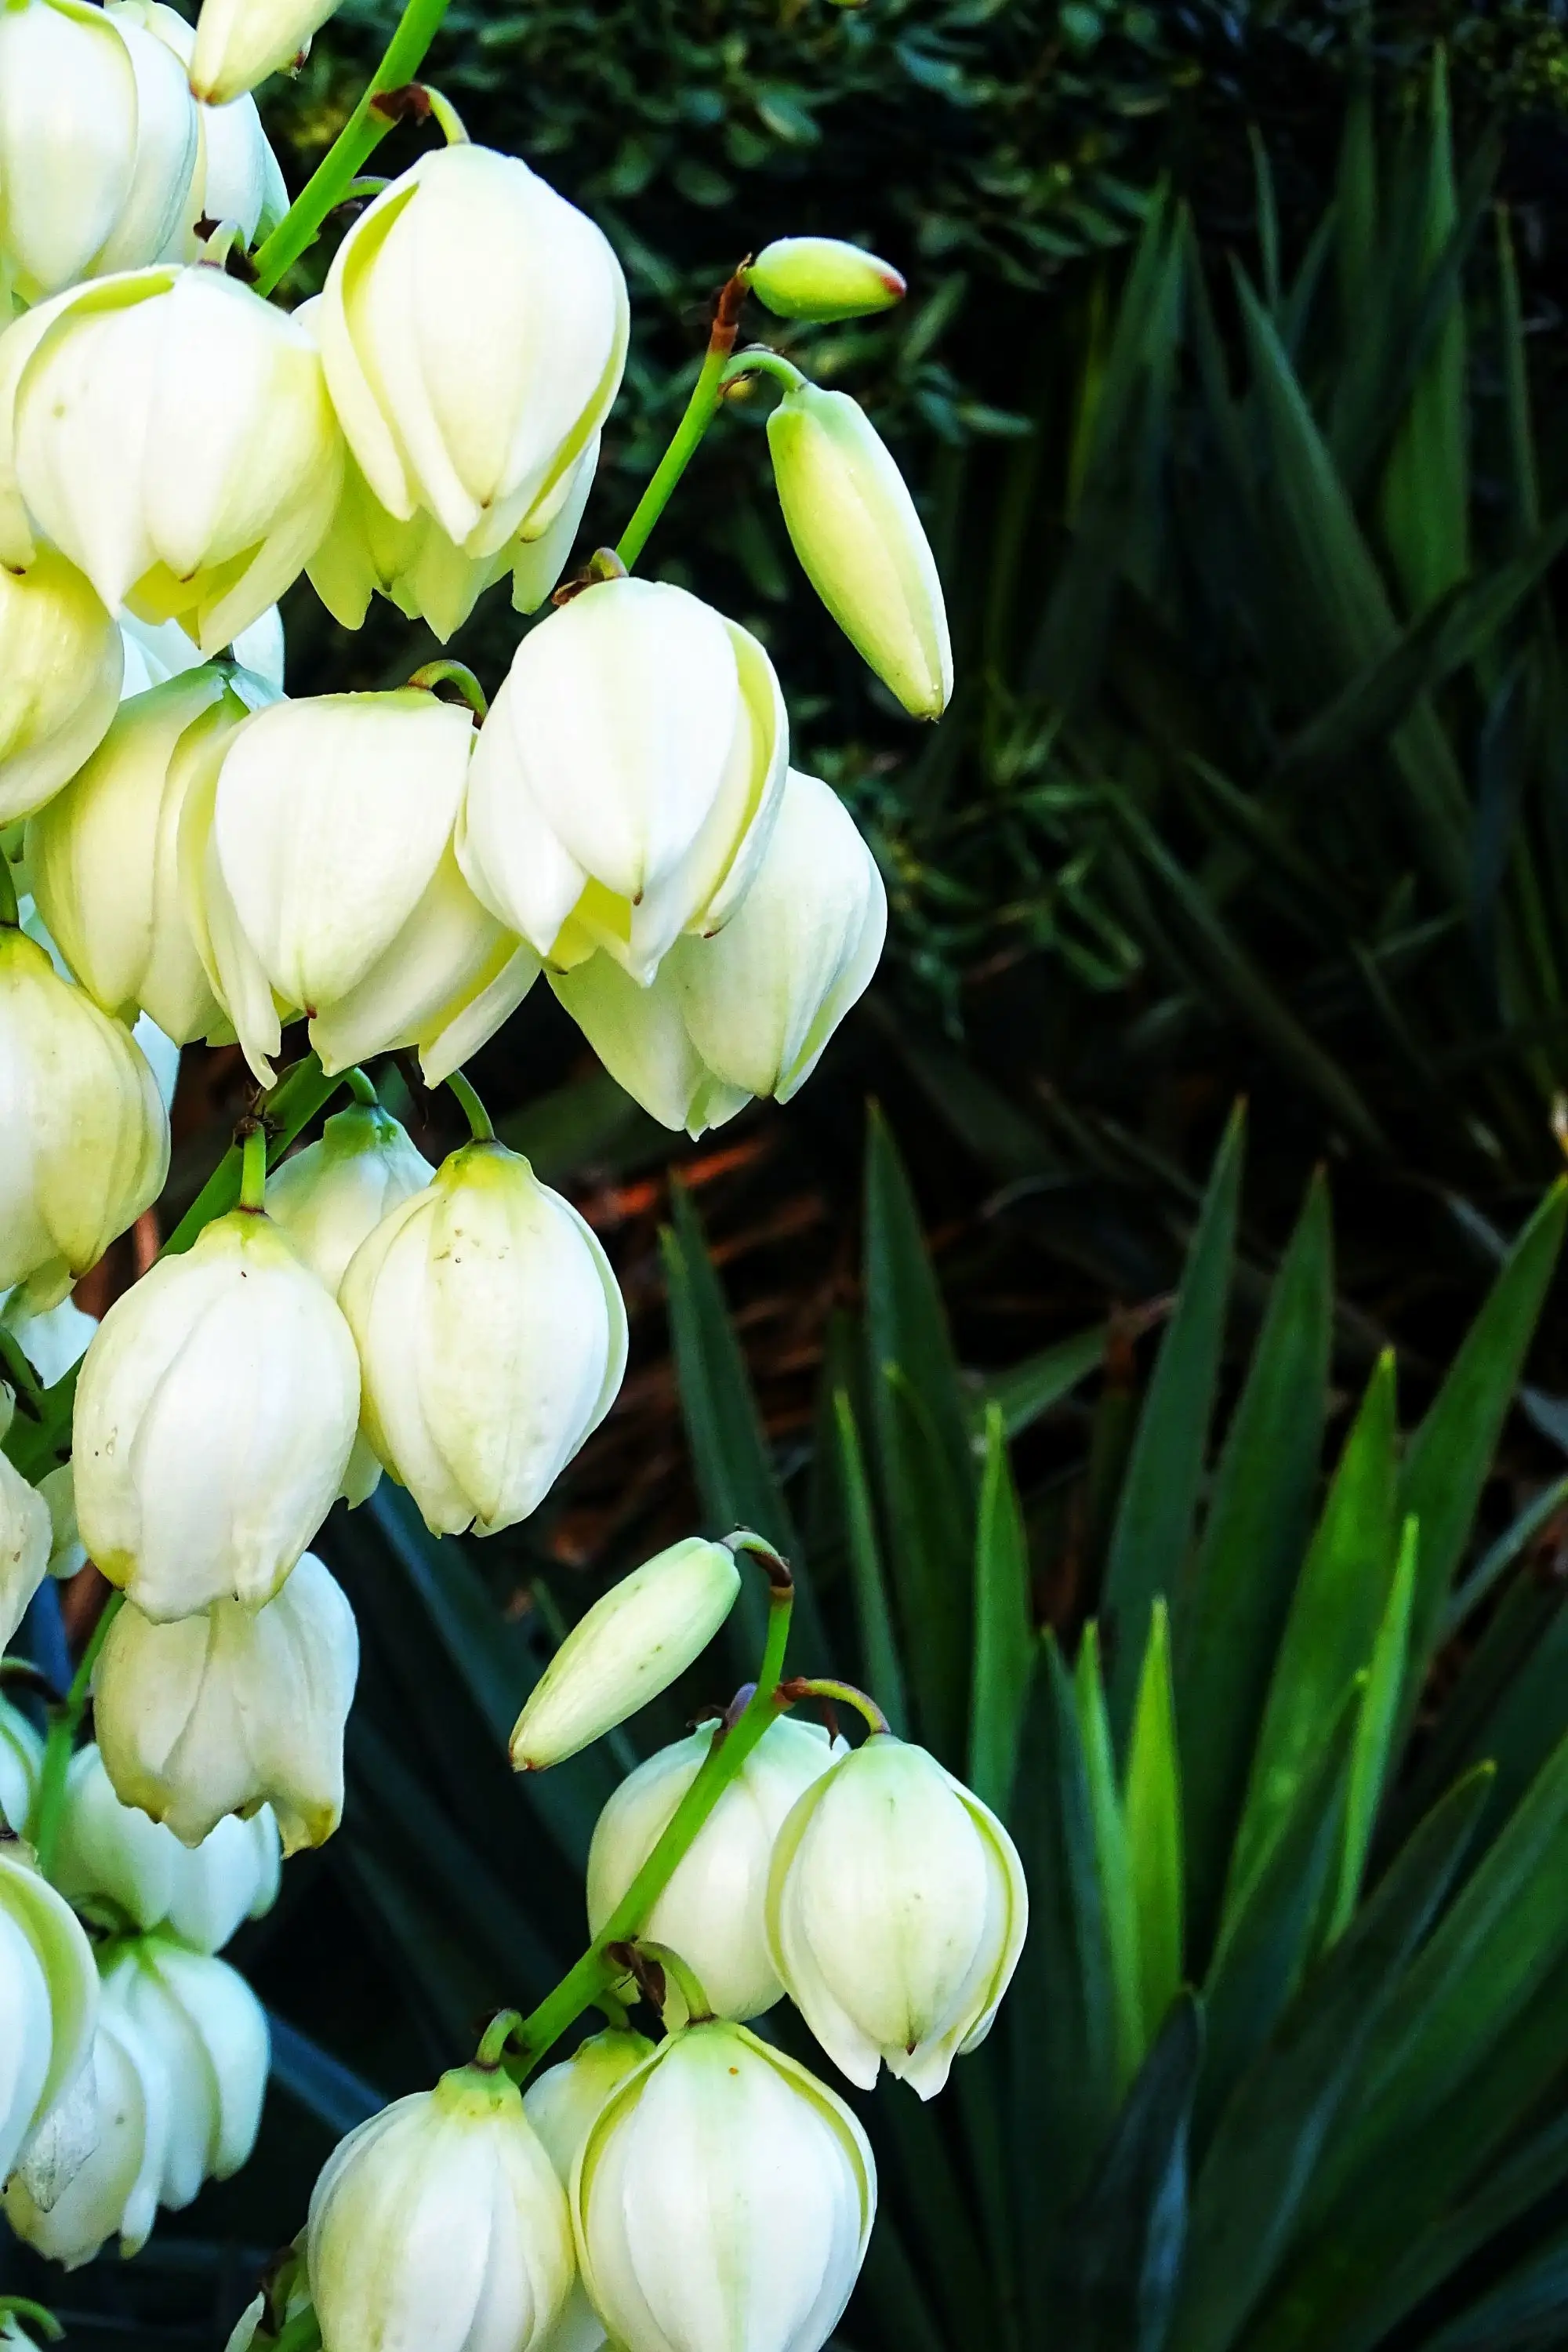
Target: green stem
pixel 473 1109
pixel 40 1445
pixel 330 183
pixel 701 411
pixel 300 2333
pixel 582 1987
pixel 686 1982
pixel 363 1089
pixel 822 1687
pixel 10 912
pixel 760 361
pixel 36 2315
pixel 454 673
pixel 253 1169
pixel 65 1721
pixel 497 2034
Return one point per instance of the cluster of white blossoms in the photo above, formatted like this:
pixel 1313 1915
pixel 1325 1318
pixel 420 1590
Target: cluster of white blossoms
pixel 187 853
pixel 706 2191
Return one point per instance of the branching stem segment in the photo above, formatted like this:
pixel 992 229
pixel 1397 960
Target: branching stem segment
pixel 845 1694
pixel 330 183
pixel 473 1109
pixel 64 1720
pixel 701 411
pixel 586 1983
pixel 252 1143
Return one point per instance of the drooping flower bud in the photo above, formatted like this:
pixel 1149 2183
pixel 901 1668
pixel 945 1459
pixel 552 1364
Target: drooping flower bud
pixel 562 2104
pixel 214 1414
pixel 84 1136
pixel 49 2001
pixel 201 1892
pixel 630 1645
pixel 897 1910
pixel 331 824
pixel 97 144
pixel 224 1712
pixel 492 1340
pixel 60 662
pixel 21 1761
pixel 370 552
pixel 862 546
pixel 441 2222
pixel 330 1196
pixel 751 1010
pixel 204 2028
pixel 104 855
pixel 711 1912
pixel 25 1542
pixel 821 277
pixel 112 2191
pixel 172 435
pixel 723 2196
pixel 624 783
pixel 241 42
pixel 473 329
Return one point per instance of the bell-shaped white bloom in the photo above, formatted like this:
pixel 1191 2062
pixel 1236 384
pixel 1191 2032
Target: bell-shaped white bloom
pixel 49 2001
pixel 171 434
pixel 897 1910
pixel 204 2028
pixel 369 552
pixel 214 1414
pixel 201 1891
pixel 112 2191
pixel 26 1539
pixel 712 1910
pixel 751 1010
pixel 473 329
pixel 60 662
pixel 723 2198
pixel 98 143
pixel 626 781
pixel 21 1761
pixel 84 1136
pixel 104 857
pixel 331 818
pixel 236 177
pixel 562 2104
pixel 630 1645
pixel 492 1340
pixel 821 277
pixel 331 1196
pixel 241 42
pixel 440 2223
pixel 862 546
pixel 224 1712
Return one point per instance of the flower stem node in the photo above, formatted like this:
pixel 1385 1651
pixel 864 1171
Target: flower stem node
pixel 233 1709
pixel 721 2195
pixel 491 1336
pixel 626 782
pixel 896 1913
pixel 630 1645
pixel 440 2223
pixel 749 1011
pixel 84 1136
pixel 821 279
pixel 214 1415
pixel 861 544
pixel 712 1910
pixel 320 868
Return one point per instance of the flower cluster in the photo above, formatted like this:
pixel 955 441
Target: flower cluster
pixel 187 853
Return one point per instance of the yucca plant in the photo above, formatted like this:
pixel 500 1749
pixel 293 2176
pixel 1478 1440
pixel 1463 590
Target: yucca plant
pixel 1270 745
pixel 1284 2065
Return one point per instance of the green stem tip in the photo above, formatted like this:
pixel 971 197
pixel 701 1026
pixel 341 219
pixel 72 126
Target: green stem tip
pixel 473 1109
pixel 253 1167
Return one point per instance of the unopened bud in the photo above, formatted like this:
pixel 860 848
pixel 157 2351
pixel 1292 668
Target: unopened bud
pixel 821 277
pixel 631 1644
